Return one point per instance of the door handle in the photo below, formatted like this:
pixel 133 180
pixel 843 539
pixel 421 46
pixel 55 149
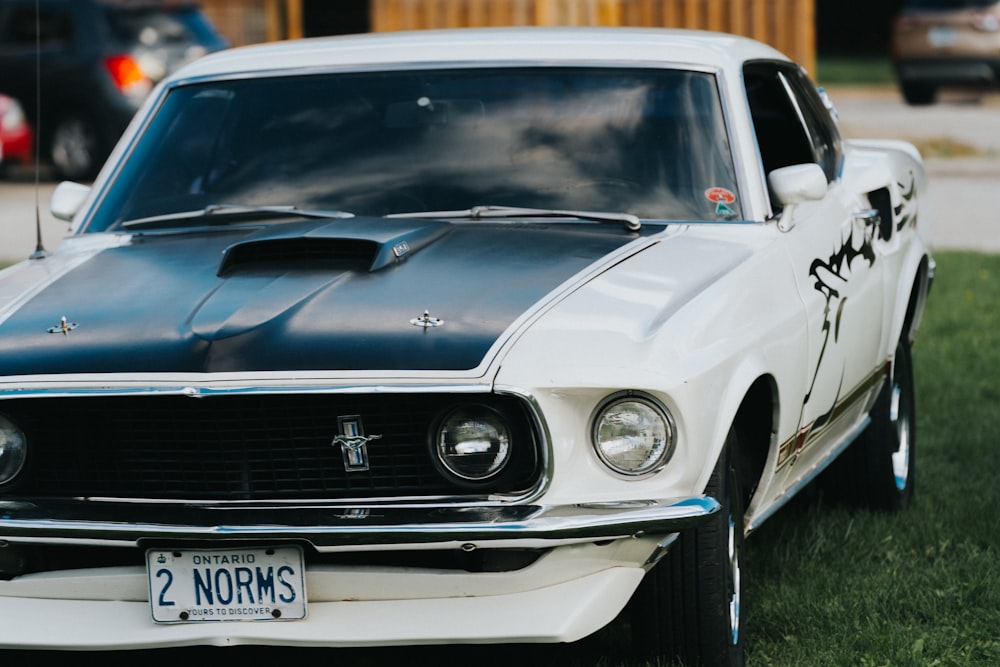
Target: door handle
pixel 871 219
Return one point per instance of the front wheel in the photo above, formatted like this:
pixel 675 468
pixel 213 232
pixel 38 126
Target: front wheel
pixel 889 444
pixel 878 471
pixel 690 605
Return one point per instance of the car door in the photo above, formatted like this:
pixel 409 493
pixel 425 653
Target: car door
pixel 831 245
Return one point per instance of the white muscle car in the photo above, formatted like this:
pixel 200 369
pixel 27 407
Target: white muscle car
pixel 451 337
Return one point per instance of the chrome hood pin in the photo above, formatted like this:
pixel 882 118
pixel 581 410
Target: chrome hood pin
pixel 426 321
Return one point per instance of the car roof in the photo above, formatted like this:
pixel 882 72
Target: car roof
pixel 692 48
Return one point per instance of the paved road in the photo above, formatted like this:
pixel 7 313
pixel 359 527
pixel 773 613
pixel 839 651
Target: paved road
pixel 963 198
pixel 17 217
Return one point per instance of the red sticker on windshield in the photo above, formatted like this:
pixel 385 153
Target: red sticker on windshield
pixel 720 196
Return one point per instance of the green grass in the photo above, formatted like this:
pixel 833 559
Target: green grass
pixel 832 587
pixel 850 71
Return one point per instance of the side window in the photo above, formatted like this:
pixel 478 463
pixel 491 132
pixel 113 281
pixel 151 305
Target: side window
pixel 781 135
pixel 823 132
pixel 792 123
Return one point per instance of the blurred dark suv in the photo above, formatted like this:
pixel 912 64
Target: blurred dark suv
pixel 946 43
pixel 98 60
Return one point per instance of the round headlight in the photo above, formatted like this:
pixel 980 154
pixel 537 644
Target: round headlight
pixel 13 450
pixel 473 443
pixel 633 435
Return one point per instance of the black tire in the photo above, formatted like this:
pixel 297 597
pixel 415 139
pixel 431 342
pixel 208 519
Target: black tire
pixel 76 149
pixel 878 471
pixel 918 94
pixel 888 445
pixel 690 605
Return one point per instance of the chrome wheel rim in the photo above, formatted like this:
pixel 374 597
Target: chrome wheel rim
pixel 899 416
pixel 734 582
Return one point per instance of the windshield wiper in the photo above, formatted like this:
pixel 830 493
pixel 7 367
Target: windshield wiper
pixel 632 222
pixel 224 214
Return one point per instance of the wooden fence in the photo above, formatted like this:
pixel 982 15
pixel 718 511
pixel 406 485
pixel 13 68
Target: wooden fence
pixel 252 21
pixel 788 25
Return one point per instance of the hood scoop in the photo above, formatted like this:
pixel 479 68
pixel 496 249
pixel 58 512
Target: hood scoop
pixel 362 244
pixel 298 253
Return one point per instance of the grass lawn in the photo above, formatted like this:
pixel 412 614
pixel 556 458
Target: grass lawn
pixel 846 71
pixel 832 587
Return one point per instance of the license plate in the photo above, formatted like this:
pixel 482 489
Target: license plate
pixel 941 36
pixel 243 584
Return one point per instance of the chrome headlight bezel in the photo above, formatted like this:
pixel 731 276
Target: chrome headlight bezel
pixel 648 412
pixel 13 451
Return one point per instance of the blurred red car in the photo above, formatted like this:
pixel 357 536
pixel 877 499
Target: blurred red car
pixel 16 137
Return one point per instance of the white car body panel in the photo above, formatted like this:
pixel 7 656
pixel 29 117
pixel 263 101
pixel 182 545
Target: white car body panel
pixel 697 315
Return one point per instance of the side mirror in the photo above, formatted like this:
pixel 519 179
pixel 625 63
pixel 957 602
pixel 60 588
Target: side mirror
pixel 67 200
pixel 798 183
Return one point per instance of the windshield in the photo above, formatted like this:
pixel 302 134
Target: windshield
pixel 648 142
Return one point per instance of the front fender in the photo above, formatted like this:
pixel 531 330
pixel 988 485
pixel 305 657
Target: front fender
pixel 683 326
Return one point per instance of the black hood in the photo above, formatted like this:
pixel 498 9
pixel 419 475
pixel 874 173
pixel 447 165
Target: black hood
pixel 316 295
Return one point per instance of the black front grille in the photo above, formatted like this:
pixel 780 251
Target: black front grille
pixel 245 447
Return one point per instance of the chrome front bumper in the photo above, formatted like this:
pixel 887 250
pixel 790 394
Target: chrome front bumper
pixel 586 577
pixel 337 528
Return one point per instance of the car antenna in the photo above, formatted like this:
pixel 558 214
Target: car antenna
pixel 40 251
